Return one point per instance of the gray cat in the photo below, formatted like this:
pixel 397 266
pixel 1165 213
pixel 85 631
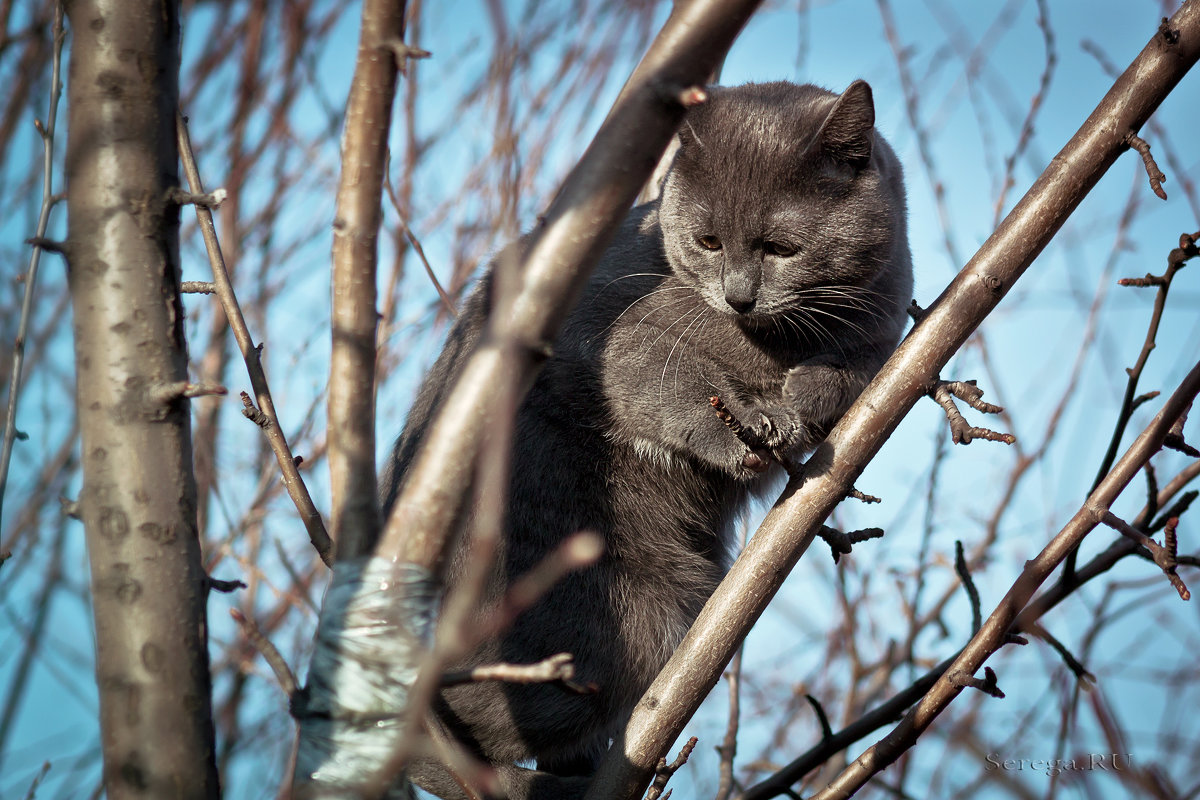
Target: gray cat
pixel 774 274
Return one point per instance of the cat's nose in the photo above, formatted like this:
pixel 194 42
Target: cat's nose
pixel 741 305
pixel 741 286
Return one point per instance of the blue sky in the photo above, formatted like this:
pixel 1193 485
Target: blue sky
pixel 1031 342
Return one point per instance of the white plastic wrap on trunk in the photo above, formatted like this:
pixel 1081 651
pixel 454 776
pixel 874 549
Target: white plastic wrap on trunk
pixel 375 629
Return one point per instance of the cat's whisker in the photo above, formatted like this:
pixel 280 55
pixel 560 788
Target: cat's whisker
pixel 694 310
pixel 854 326
pixel 679 361
pixel 662 378
pixel 633 275
pixel 804 323
pixel 857 297
pixel 698 311
pixel 651 310
pixel 651 294
pixel 823 332
pixel 868 309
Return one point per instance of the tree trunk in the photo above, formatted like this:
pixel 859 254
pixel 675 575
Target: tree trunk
pixel 138 502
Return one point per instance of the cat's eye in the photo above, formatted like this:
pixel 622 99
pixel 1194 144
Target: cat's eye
pixel 709 242
pixel 778 249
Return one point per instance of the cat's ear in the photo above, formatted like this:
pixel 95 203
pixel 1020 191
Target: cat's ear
pixel 848 131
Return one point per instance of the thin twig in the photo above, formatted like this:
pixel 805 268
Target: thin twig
pixel 37 779
pixel 1176 259
pixel 414 242
pixel 665 771
pixel 1164 555
pixel 557 669
pixel 1155 174
pixel 964 575
pixel 46 131
pixel 1075 665
pixel 252 355
pixel 961 432
pixel 270 653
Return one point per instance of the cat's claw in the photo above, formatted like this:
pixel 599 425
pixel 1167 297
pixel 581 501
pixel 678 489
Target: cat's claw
pixel 757 460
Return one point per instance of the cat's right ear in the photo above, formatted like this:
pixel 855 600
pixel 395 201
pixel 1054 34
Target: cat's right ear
pixel 848 132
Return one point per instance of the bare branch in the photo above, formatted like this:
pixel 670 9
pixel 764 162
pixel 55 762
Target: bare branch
pixel 353 487
pixel 1163 555
pixel 664 771
pixel 1008 613
pixel 944 393
pixel 39 243
pixel 270 654
pixel 252 355
pixel 964 575
pixel 1152 171
pixel 559 669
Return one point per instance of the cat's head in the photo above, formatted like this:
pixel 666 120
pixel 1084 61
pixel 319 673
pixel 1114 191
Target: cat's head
pixel 777 191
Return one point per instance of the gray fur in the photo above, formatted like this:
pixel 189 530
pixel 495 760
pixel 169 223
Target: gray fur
pixel 617 435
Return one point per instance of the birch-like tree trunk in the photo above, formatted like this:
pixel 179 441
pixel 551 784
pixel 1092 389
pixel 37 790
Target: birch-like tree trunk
pixel 138 502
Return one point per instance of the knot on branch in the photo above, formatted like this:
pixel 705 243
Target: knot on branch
pixel 916 312
pixel 222 586
pixel 250 412
pixel 685 96
pixel 840 544
pixel 862 497
pixel 1168 34
pixel 1174 438
pixel 987 684
pixel 168 392
pixel 209 200
pixel 403 53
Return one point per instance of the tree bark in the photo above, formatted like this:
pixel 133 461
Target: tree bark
pixel 138 502
pixel 355 515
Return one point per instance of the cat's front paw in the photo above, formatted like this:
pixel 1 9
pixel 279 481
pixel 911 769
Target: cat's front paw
pixel 768 431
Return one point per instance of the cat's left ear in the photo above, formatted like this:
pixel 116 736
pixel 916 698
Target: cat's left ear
pixel 848 133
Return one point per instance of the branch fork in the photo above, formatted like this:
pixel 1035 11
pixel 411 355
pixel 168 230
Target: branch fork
pixel 840 543
pixel 1164 555
pixel 987 684
pixel 944 392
